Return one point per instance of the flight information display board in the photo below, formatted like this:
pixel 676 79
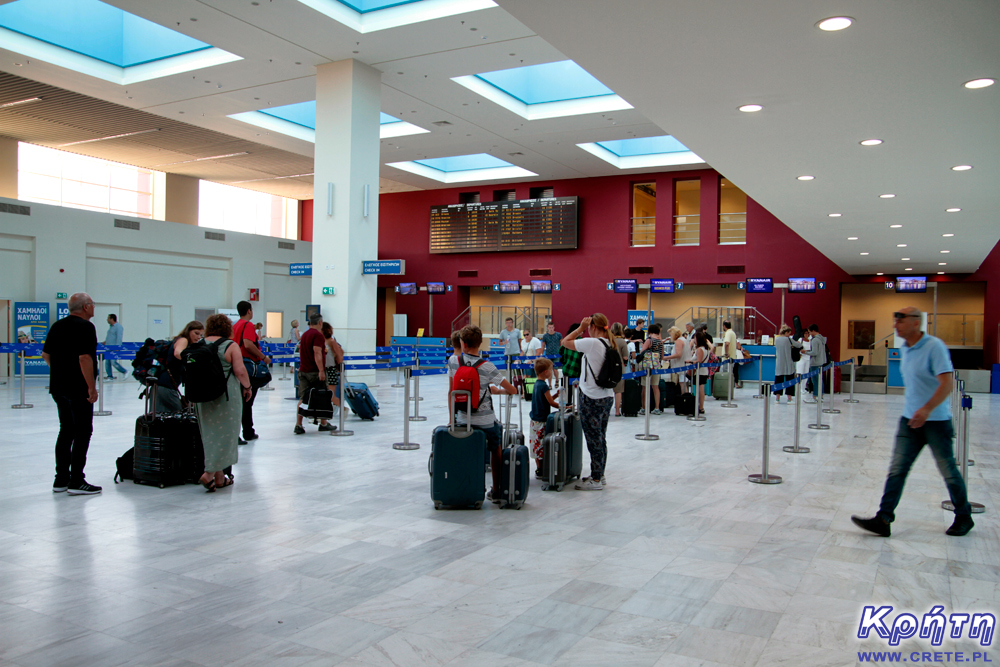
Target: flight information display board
pixel 528 224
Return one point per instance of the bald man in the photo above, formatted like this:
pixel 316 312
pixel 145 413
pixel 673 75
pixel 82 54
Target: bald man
pixel 927 376
pixel 70 350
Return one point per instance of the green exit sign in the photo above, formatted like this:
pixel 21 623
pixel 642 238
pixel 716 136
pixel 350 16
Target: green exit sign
pixel 60 295
pixel 329 291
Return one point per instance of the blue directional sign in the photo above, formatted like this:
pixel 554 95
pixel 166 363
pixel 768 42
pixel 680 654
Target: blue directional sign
pixel 678 286
pixel 822 285
pixel 384 267
pixel 302 269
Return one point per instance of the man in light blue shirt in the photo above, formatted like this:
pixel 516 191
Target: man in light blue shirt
pixel 114 337
pixel 927 376
pixel 511 339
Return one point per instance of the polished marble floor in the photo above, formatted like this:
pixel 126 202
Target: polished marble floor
pixel 327 551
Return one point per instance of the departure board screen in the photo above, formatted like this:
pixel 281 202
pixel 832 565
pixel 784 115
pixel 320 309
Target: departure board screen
pixel 528 224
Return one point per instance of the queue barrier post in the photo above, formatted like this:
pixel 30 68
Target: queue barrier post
pixel 341 432
pixel 397 384
pixel 649 391
pixel 831 410
pixel 729 394
pixel 416 381
pixel 760 377
pixel 406 444
pixel 819 425
pixel 963 451
pixel 764 477
pixel 22 405
pixel 698 388
pixel 854 364
pixel 416 405
pixel 100 411
pixel 795 448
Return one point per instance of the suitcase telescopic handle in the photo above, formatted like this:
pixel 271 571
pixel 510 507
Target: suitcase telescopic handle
pixel 451 410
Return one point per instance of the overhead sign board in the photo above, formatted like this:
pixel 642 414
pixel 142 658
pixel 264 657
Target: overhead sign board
pixel 302 269
pixel 384 267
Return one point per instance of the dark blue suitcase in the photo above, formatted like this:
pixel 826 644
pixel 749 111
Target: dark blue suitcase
pixel 456 465
pixel 514 466
pixel 361 400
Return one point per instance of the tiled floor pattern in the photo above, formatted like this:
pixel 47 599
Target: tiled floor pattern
pixel 327 551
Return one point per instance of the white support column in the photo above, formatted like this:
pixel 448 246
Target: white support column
pixel 348 102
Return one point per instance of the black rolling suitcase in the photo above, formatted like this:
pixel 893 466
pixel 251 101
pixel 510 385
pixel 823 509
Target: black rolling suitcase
pixel 515 467
pixel 316 404
pixel 685 405
pixel 632 398
pixel 456 463
pixel 165 446
pixel 669 393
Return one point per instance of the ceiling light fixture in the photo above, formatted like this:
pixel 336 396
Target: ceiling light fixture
pixel 806 178
pixel 900 245
pixel 895 226
pixel 871 142
pixel 962 167
pixel 952 210
pixel 852 238
pixel 14 104
pixel 886 196
pixel 879 274
pixel 942 263
pixel 947 235
pixel 940 273
pixel 202 159
pixel 908 269
pixel 835 23
pixel 863 254
pixel 979 83
pixel 834 215
pixel 273 178
pixel 750 108
pixel 114 136
pixel 945 252
pixel 904 259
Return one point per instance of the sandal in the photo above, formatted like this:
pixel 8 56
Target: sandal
pixel 209 485
pixel 226 481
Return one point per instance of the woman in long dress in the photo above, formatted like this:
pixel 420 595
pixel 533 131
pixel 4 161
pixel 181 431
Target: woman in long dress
pixel 219 420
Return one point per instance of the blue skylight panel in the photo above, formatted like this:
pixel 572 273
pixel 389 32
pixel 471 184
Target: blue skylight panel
pixel 464 162
pixel 644 146
pixel 365 6
pixel 302 113
pixel 385 119
pixel 97 30
pixel 551 82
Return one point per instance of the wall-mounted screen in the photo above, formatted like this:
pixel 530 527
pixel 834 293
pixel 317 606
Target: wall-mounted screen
pixel 661 285
pixel 435 288
pixel 510 287
pixel 529 224
pixel 911 284
pixel 760 286
pixel 407 288
pixel 626 285
pixel 541 287
pixel 803 285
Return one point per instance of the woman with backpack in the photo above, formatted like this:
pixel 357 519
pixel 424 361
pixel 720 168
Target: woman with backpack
pixel 220 419
pixel 595 401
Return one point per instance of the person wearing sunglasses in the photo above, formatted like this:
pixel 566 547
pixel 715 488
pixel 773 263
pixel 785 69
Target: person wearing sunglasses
pixel 927 376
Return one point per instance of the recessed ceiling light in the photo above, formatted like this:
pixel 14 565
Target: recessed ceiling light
pixel 979 83
pixel 900 245
pixel 962 167
pixel 871 142
pixel 806 178
pixel 952 210
pixel 835 23
pixel 852 238
pixel 904 259
pixel 114 136
pixel 945 252
pixel 834 215
pixel 942 263
pixel 863 254
pixel 947 235
pixel 940 273
pixel 895 226
pixel 886 196
pixel 750 108
pixel 879 274
pixel 14 104
pixel 909 269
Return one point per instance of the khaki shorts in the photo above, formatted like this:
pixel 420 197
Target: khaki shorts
pixel 310 380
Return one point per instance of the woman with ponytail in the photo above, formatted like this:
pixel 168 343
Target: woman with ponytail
pixel 595 402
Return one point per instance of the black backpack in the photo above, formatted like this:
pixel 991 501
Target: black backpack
pixel 611 369
pixel 796 354
pixel 204 379
pixel 151 359
pixel 125 463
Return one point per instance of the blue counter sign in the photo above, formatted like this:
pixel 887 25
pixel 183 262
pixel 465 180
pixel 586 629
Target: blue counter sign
pixel 384 267
pixel 302 269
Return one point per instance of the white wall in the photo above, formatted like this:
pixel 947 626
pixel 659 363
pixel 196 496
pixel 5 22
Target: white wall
pixel 163 263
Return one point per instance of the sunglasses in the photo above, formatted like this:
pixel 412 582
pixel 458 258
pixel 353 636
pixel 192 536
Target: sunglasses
pixel 903 316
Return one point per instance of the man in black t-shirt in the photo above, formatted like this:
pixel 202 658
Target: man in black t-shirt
pixel 70 350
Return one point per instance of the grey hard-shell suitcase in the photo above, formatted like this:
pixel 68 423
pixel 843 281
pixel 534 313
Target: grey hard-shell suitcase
pixel 562 448
pixel 514 459
pixel 456 463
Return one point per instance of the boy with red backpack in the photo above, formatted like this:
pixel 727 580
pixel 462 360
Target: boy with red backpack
pixel 470 372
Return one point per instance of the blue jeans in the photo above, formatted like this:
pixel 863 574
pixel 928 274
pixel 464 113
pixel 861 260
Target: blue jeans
pixel 107 367
pixel 909 441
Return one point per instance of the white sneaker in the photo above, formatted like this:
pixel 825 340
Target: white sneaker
pixel 589 484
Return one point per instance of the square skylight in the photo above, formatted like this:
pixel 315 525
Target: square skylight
pixel 664 151
pixel 550 90
pixel 99 40
pixel 463 168
pixel 372 15
pixel 299 121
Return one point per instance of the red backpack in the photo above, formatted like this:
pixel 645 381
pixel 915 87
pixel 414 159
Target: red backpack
pixel 467 379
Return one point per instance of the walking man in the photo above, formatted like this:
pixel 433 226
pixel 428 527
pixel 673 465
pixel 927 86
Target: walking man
pixel 114 337
pixel 70 350
pixel 245 335
pixel 927 376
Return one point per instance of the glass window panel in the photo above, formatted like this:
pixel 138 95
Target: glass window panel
pixel 86 170
pixel 133 202
pixel 38 159
pixel 732 214
pixel 85 194
pixel 130 178
pixel 235 209
pixel 643 228
pixel 37 186
pixel 273 325
pixel 687 212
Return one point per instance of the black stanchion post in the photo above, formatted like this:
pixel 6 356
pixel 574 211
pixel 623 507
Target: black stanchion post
pixel 765 477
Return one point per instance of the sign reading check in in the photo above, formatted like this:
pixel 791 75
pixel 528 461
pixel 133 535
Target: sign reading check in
pixel 384 267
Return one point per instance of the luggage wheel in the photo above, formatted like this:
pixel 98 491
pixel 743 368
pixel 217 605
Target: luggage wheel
pixel 478 505
pixel 437 504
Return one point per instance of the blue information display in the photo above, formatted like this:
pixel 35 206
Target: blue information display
pixel 303 269
pixel 760 286
pixel 31 325
pixel 510 287
pixel 384 267
pixel 626 285
pixel 635 315
pixel 435 288
pixel 541 286
pixel 661 285
pixel 802 285
pixel 407 288
pixel 911 284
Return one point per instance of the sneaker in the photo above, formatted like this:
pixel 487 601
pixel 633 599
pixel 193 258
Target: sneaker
pixel 963 524
pixel 327 427
pixel 657 411
pixel 589 484
pixel 252 436
pixel 495 499
pixel 777 399
pixel 876 525
pixel 240 441
pixel 109 377
pixel 298 430
pixel 642 411
pixel 82 489
pixel 59 487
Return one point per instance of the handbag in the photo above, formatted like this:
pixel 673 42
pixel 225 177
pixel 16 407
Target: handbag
pixel 258 371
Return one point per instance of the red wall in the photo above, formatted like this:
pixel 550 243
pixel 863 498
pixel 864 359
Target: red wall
pixel 989 271
pixel 306 220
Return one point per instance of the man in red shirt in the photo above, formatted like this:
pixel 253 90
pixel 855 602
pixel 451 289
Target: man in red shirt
pixel 312 366
pixel 245 335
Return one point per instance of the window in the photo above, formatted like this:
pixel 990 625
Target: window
pixel 687 212
pixel 468 197
pixel 504 195
pixel 541 192
pixel 51 176
pixel 273 325
pixel 643 227
pixel 732 214
pixel 238 210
